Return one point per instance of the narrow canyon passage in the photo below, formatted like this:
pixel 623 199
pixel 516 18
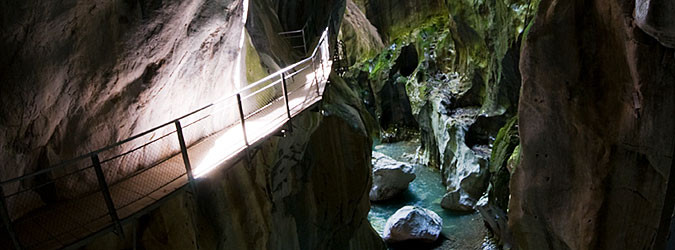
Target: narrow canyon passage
pixel 337 124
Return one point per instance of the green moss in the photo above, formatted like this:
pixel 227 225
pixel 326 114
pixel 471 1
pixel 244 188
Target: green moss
pixel 254 69
pixel 503 151
pixel 255 72
pixel 506 141
pixel 514 160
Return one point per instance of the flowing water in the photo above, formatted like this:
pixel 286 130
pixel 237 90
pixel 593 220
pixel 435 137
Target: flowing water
pixel 460 231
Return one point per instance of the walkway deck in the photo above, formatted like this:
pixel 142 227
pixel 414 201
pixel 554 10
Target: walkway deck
pixel 156 162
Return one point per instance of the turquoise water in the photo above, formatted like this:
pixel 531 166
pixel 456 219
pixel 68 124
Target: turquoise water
pixel 460 231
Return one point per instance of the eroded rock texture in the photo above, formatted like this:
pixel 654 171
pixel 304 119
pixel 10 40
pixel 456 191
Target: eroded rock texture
pixel 360 37
pixel 597 129
pixel 80 75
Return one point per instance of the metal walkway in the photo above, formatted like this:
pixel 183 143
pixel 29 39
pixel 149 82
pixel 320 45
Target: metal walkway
pixel 109 186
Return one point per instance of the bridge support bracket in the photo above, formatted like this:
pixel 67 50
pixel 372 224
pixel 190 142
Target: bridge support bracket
pixel 106 195
pixel 184 154
pixel 288 107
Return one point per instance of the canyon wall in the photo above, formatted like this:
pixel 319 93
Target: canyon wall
pixel 80 75
pixel 596 127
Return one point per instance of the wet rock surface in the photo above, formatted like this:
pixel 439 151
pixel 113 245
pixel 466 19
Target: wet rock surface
pixel 390 177
pixel 413 224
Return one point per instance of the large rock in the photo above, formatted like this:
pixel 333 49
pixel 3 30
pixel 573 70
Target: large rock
pixel 462 166
pixel 390 177
pixel 596 128
pixel 459 201
pixel 413 224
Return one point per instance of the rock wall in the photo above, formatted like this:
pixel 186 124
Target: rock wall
pixel 80 75
pixel 360 37
pixel 596 126
pixel 394 18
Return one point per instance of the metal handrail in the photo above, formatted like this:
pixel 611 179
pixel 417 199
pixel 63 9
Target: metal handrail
pixel 295 34
pixel 248 87
pixel 104 185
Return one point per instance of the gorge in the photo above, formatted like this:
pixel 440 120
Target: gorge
pixel 397 124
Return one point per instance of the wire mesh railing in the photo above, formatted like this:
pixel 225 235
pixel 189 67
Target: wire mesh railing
pixel 297 38
pixel 57 206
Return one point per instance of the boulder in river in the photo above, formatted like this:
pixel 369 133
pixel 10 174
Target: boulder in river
pixel 459 201
pixel 390 177
pixel 413 224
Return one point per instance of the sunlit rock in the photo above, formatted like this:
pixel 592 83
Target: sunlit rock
pixel 390 177
pixel 413 223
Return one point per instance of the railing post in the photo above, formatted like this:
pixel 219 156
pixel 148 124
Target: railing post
pixel 7 221
pixel 304 41
pixel 106 194
pixel 323 70
pixel 241 116
pixel 288 107
pixel 316 80
pixel 184 153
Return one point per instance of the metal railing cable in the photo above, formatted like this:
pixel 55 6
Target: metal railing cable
pixel 297 38
pixel 58 205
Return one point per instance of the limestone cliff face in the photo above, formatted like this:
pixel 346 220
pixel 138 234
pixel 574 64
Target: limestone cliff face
pixel 305 191
pixel 597 129
pixel 80 75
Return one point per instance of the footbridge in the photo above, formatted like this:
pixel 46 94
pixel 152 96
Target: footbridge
pixel 114 185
